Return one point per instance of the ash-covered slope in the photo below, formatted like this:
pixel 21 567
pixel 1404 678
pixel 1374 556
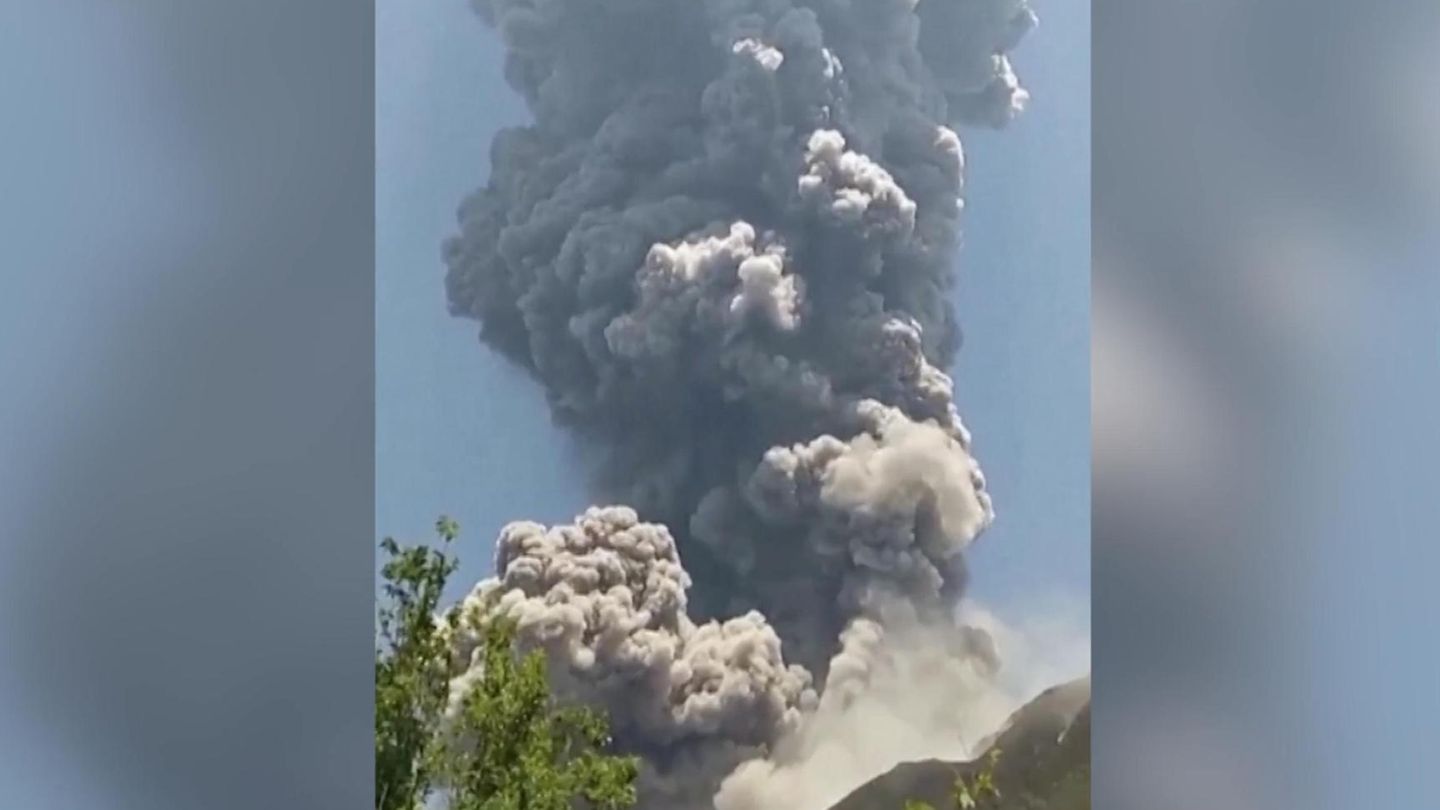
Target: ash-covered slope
pixel 1044 762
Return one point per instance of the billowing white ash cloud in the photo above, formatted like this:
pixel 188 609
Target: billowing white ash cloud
pixel 900 691
pixel 605 598
pixel 725 247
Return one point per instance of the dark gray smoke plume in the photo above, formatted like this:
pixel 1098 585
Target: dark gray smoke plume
pixel 726 249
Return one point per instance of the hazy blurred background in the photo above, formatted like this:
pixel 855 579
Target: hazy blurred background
pixel 1266 375
pixel 186 410
pixel 186 419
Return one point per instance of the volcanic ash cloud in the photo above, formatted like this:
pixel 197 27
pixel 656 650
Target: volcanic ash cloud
pixel 725 247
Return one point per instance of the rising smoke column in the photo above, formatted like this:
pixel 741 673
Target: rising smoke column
pixel 725 247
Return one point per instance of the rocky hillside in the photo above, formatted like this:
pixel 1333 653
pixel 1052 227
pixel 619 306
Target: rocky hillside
pixel 1043 763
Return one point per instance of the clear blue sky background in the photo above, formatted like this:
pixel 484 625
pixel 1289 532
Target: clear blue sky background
pixel 460 433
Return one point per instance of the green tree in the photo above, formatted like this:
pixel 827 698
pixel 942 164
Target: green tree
pixel 510 746
pixel 514 750
pixel 411 682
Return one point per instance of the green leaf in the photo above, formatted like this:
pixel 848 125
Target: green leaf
pixel 509 747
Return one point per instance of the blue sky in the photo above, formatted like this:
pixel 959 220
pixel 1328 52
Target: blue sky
pixel 461 433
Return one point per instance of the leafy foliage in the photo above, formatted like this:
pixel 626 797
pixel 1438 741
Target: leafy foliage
pixel 411 680
pixel 967 794
pixel 509 747
pixel 514 751
pixel 981 787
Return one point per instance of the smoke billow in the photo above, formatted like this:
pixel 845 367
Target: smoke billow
pixel 725 247
pixel 605 598
pixel 898 693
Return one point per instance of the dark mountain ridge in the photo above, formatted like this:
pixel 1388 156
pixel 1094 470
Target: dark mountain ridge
pixel 1043 763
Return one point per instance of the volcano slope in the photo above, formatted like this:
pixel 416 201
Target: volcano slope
pixel 1043 763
